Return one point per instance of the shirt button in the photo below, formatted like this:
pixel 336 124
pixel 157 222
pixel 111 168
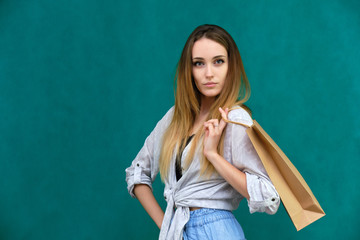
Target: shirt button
pixel 138 164
pixel 273 199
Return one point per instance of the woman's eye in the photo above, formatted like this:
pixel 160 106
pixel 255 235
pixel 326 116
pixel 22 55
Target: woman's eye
pixel 219 61
pixel 198 64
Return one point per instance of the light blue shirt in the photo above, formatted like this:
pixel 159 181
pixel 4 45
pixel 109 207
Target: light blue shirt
pixel 194 191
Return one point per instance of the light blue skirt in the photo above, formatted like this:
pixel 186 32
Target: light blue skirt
pixel 212 224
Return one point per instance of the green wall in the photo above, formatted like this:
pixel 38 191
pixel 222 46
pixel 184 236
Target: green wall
pixel 83 82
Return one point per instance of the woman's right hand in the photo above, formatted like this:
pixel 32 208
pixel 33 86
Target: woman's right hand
pixel 213 131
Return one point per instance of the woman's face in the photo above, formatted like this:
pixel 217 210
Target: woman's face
pixel 210 66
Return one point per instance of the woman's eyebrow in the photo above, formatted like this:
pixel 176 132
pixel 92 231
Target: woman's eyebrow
pixel 200 58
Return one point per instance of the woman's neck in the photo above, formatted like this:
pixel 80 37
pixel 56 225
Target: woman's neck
pixel 205 106
pixel 206 103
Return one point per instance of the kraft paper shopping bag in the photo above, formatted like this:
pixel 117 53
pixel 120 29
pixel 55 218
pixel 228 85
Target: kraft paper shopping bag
pixel 295 194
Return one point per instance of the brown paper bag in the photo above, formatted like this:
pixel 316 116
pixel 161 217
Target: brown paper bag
pixel 299 201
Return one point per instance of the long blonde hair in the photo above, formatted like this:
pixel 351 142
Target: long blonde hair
pixel 236 91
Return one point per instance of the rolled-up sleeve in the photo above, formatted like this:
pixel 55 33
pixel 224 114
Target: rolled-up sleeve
pixel 263 195
pixel 140 170
pixel 145 166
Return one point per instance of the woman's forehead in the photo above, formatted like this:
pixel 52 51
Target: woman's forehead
pixel 207 48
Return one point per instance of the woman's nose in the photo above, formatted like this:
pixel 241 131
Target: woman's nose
pixel 209 71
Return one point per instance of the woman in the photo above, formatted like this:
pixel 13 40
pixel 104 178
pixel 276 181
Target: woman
pixel 208 166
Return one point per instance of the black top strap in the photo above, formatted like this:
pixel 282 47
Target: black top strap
pixel 178 168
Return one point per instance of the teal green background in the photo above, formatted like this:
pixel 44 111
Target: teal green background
pixel 83 82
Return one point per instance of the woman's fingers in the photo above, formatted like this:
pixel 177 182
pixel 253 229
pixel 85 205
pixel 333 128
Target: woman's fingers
pixel 216 126
pixel 213 125
pixel 215 122
pixel 224 116
pixel 224 113
pixel 222 125
pixel 209 129
pixel 213 131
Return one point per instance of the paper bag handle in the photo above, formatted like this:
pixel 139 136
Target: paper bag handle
pixel 238 123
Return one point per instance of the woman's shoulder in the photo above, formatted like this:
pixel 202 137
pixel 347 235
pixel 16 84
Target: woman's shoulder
pixel 167 117
pixel 240 114
pixel 169 112
pixel 164 122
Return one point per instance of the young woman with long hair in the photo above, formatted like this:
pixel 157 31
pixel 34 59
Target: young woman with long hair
pixel 207 166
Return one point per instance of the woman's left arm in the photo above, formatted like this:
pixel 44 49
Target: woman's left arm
pixel 246 173
pixel 235 177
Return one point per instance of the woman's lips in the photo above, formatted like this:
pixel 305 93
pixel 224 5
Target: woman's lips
pixel 210 84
